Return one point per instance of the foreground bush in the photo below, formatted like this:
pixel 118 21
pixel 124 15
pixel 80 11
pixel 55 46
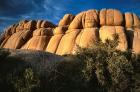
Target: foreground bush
pixel 113 68
pixel 100 68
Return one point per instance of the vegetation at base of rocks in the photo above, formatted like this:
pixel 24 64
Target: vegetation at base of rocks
pixel 27 81
pixel 113 69
pixel 100 68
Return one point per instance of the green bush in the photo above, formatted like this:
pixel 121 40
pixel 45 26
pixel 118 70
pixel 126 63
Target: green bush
pixel 27 82
pixel 136 64
pixel 113 68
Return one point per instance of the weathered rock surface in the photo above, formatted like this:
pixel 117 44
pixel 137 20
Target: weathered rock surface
pixel 91 19
pixel 131 20
pixel 111 17
pixel 58 33
pixel 83 30
pixel 67 42
pixel 136 41
pixel 87 37
pixel 66 20
pixel 108 32
pixel 17 39
pixel 40 39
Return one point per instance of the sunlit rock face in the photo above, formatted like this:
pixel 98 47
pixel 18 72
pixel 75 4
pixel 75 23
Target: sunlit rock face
pixel 83 30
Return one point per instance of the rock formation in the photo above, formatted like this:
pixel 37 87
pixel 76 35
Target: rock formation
pixel 82 30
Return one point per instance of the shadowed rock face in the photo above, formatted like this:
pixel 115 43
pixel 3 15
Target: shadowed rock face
pixel 83 29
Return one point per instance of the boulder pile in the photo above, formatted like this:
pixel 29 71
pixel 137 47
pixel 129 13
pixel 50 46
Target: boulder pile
pixel 82 30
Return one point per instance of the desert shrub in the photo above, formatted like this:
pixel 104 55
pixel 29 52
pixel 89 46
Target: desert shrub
pixel 16 75
pixel 113 68
pixel 3 54
pixel 136 64
pixel 25 81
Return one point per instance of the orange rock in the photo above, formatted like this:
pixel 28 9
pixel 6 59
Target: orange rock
pixel 78 21
pixel 77 42
pixel 31 25
pixel 111 17
pixel 131 20
pixel 17 39
pixel 67 19
pixel 136 20
pixel 67 42
pixel 118 18
pixel 128 20
pixel 44 24
pixel 20 25
pixel 4 41
pixel 136 41
pixel 91 19
pixel 40 39
pixel 102 17
pixel 107 32
pixel 60 30
pixel 47 24
pixel 13 29
pixel 71 31
pixel 55 40
pixel 39 22
pixel 10 30
pixel 78 38
pixel 88 37
pixel 7 33
pixel 43 32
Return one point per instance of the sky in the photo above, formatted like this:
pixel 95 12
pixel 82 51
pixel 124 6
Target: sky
pixel 12 11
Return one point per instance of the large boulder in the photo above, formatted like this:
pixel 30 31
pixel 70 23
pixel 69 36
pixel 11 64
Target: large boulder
pixel 3 40
pixel 108 32
pixel 20 25
pixel 78 21
pixel 87 19
pixel 87 37
pixel 131 20
pixel 67 19
pixel 55 39
pixel 67 42
pixel 47 24
pixel 111 17
pixel 17 39
pixel 7 33
pixel 136 41
pixel 44 24
pixel 31 25
pixel 38 24
pixel 91 19
pixel 10 30
pixel 40 39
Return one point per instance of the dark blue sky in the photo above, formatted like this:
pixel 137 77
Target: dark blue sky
pixel 11 11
